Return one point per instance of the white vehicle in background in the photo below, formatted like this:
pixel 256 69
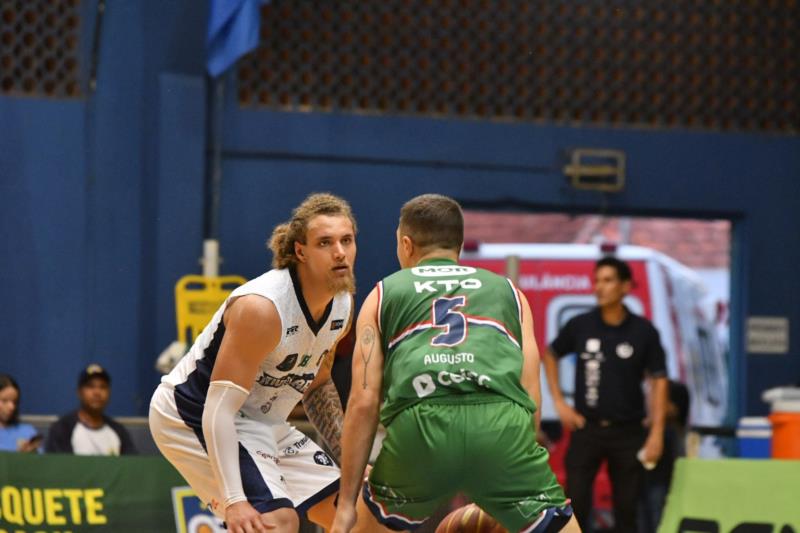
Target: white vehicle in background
pixel 557 280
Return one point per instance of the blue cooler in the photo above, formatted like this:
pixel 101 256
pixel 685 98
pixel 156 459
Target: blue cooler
pixel 754 436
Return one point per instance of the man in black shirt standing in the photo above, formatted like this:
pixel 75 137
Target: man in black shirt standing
pixel 616 350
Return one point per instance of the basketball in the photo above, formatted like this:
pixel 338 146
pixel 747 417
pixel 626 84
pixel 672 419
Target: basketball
pixel 469 519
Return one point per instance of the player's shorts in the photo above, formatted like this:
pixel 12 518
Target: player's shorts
pixel 280 467
pixel 487 450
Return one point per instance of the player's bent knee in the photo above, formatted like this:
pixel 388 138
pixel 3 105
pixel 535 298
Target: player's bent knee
pixel 323 512
pixel 284 519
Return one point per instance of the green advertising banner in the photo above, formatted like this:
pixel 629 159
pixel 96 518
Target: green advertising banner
pixel 73 494
pixel 733 495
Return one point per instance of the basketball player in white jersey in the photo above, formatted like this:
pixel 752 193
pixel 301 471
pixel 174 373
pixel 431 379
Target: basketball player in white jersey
pixel 220 416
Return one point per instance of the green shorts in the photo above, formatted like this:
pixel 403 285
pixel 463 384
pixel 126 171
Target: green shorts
pixel 486 450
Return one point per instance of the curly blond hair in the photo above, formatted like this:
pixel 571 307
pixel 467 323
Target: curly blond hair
pixel 285 235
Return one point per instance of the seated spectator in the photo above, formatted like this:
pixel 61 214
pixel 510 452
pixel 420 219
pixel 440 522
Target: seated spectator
pixel 88 431
pixel 14 436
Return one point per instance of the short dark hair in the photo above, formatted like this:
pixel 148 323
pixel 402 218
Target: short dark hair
pixel 433 221
pixel 8 381
pixel 622 268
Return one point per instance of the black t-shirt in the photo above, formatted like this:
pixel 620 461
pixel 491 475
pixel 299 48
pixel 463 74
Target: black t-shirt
pixel 611 364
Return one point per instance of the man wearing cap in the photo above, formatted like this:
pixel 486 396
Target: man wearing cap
pixel 88 431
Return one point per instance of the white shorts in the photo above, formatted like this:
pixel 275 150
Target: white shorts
pixel 280 466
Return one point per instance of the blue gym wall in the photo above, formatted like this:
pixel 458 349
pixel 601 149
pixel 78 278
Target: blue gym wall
pixel 101 201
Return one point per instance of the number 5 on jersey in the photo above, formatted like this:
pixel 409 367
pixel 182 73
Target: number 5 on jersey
pixel 446 317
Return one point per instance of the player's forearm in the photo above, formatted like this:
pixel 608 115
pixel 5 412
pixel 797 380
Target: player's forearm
pixel 658 405
pixel 324 410
pixel 551 371
pixel 222 402
pixel 536 394
pixel 360 425
pixel 533 387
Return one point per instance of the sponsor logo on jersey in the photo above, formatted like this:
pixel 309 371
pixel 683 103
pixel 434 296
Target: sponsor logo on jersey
pixel 430 286
pixel 592 345
pixel 449 378
pixel 593 375
pixel 295 447
pixel 624 350
pixel 298 382
pixel 424 384
pixel 321 458
pixel 291 330
pixel 449 358
pixel 438 271
pixel 586 356
pixel 531 506
pixel 268 456
pixel 268 406
pixel 288 363
pixel 337 324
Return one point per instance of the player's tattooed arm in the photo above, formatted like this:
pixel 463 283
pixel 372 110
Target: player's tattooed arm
pixel 363 404
pixel 324 410
pixel 367 349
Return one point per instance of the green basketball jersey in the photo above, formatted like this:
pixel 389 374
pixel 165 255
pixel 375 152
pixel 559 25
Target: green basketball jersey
pixel 449 331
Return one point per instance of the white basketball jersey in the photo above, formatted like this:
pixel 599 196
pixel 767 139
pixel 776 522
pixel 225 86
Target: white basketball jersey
pixel 286 372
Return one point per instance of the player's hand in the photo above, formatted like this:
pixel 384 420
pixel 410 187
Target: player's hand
pixel 570 418
pixel 29 446
pixel 241 517
pixel 653 448
pixel 345 518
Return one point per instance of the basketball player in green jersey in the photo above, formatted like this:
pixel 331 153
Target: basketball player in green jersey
pixel 449 351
